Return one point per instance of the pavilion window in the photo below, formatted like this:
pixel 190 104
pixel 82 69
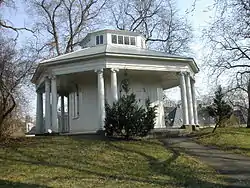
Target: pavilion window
pixel 75 104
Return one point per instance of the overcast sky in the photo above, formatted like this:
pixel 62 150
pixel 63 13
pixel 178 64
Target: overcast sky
pixel 199 16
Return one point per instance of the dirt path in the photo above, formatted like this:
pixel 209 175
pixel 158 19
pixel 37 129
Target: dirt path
pixel 235 168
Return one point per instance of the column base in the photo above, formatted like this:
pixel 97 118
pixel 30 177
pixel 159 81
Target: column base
pixel 185 126
pixel 196 127
pixel 190 128
pixel 101 132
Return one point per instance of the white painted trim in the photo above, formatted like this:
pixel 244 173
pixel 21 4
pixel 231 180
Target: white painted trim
pixel 113 84
pixel 196 119
pixel 47 105
pixel 108 63
pixel 73 68
pixel 152 67
pixel 189 99
pixel 189 61
pixel 54 104
pixel 184 99
pixel 147 57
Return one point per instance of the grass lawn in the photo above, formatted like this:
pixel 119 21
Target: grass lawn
pixel 64 161
pixel 232 139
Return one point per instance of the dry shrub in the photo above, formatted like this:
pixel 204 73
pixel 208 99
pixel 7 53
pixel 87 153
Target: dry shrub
pixel 12 127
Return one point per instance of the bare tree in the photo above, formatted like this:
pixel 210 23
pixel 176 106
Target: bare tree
pixel 6 24
pixel 164 28
pixel 14 68
pixel 60 24
pixel 228 40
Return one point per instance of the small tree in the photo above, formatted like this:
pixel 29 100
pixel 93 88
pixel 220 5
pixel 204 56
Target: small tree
pixel 219 110
pixel 127 119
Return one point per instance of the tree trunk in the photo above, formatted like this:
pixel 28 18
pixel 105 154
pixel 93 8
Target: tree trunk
pixel 215 128
pixel 248 110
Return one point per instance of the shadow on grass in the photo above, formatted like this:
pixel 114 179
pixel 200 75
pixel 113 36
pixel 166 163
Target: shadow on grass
pixel 182 174
pixel 9 184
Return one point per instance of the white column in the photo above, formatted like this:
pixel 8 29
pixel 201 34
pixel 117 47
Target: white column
pixel 114 85
pixel 54 104
pixel 67 123
pixel 47 105
pixel 184 99
pixel 39 113
pixel 189 100
pixel 196 120
pixel 62 114
pixel 101 98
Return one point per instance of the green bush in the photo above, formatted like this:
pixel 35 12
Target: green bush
pixel 125 118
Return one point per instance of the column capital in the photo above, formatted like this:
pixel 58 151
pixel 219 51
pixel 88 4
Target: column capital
pixel 192 79
pixel 99 71
pixel 51 77
pixel 183 73
pixel 114 70
pixel 47 78
pixel 38 91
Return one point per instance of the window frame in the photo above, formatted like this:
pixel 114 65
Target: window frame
pixel 75 104
pixel 130 41
pixel 126 37
pixel 120 41
pixel 101 39
pixel 97 39
pixel 112 37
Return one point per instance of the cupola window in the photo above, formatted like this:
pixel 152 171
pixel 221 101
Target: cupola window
pixel 99 39
pixel 123 40
pixel 132 41
pixel 126 40
pixel 114 39
pixel 120 39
